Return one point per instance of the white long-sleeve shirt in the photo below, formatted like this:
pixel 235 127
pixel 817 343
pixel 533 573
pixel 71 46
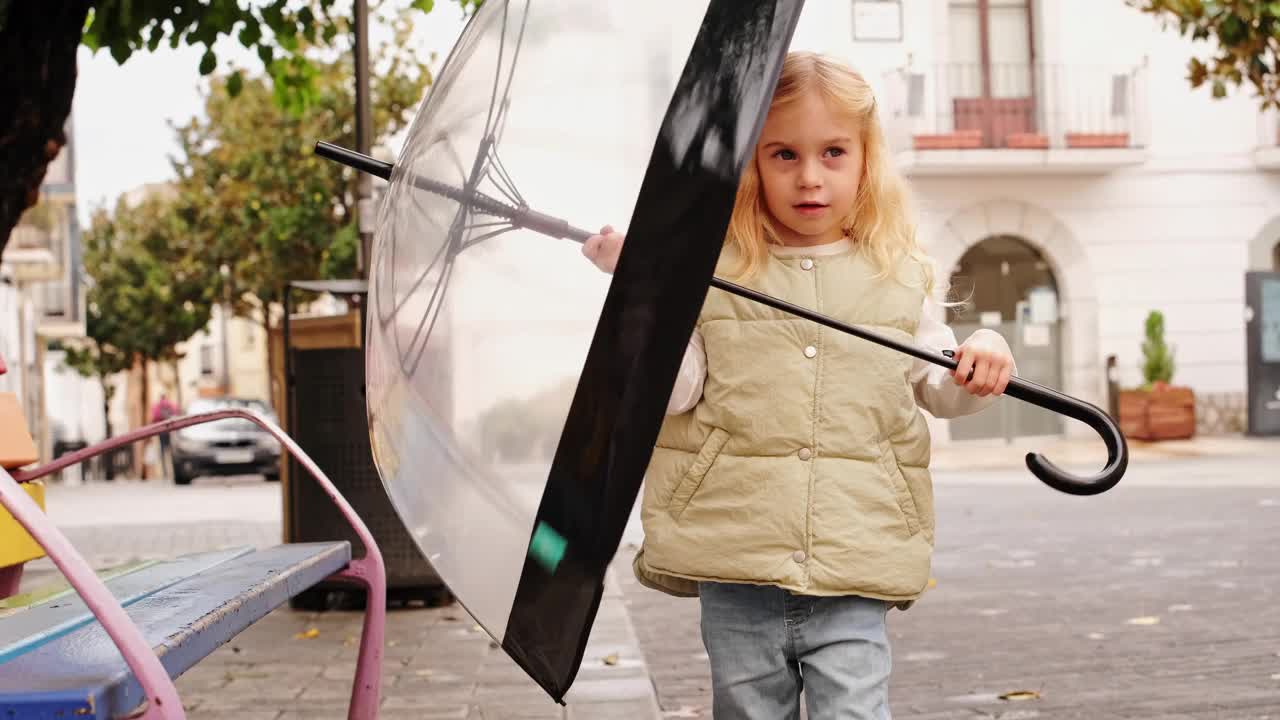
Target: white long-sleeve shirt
pixel 935 390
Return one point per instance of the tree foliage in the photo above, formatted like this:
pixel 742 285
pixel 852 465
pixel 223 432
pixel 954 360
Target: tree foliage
pixel 260 201
pixel 149 291
pixel 38 43
pixel 260 204
pixel 1246 47
pixel 279 32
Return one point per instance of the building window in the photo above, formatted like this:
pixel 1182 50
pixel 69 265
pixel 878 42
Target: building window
pixel 992 67
pixel 877 20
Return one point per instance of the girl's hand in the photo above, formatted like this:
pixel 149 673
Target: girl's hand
pixel 603 249
pixel 987 354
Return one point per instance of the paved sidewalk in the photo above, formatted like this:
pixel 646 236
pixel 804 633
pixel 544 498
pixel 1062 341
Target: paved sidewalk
pixel 1155 600
pixel 438 662
pixel 1089 453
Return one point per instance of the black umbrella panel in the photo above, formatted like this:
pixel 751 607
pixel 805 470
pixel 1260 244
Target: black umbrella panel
pixel 514 392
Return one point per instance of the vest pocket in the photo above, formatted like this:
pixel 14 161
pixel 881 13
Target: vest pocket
pixel 901 491
pixel 692 477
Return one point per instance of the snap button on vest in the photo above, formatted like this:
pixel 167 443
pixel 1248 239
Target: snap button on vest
pixel 810 351
pixel 798 556
pixel 807 264
pixel 805 453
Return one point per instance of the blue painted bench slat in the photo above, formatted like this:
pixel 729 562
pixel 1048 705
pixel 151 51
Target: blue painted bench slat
pixel 23 629
pixel 82 675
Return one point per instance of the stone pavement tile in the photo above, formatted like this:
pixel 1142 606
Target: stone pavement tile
pixel 524 691
pixel 614 710
pixel 416 689
pixel 636 688
pixel 424 708
pixel 203 678
pixel 434 675
pixel 198 714
pixel 517 711
pixel 309 714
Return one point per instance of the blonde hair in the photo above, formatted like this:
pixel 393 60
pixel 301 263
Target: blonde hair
pixel 880 223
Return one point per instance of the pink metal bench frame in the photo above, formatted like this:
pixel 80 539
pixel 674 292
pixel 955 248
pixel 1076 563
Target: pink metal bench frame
pixel 162 697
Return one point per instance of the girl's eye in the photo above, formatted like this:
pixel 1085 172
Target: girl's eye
pixel 785 155
pixel 835 152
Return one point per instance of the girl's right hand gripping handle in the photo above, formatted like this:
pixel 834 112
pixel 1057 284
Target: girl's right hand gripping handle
pixel 1054 476
pixel 1093 416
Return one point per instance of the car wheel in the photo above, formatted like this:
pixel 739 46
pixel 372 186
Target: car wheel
pixel 180 479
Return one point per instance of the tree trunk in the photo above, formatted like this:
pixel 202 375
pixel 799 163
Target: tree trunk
pixel 38 43
pixel 146 418
pixel 271 359
pixel 107 392
pixel 177 384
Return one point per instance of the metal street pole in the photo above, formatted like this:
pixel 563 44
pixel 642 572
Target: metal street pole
pixel 364 131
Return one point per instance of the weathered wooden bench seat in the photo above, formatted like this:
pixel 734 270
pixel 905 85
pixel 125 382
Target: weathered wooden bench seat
pixel 57 661
pixel 111 647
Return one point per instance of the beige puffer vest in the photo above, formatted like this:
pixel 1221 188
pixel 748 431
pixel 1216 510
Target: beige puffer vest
pixel 805 464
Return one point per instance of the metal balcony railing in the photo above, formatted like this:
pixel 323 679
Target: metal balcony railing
pixel 956 106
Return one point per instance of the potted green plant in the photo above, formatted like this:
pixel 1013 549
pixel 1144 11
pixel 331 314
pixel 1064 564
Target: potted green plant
pixel 1157 410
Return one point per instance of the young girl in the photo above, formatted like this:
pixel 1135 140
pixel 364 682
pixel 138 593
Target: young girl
pixel 789 489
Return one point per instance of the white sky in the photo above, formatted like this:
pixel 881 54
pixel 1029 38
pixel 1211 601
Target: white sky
pixel 122 112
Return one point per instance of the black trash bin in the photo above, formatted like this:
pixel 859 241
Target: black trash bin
pixel 326 416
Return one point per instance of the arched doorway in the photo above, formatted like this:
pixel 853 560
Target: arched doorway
pixel 1007 285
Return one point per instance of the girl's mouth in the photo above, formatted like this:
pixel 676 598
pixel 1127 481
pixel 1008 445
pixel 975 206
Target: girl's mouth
pixel 810 208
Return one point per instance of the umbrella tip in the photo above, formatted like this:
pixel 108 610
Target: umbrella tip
pixel 547 547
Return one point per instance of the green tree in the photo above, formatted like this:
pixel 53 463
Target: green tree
pixel 1246 47
pixel 150 289
pixel 258 200
pixel 38 42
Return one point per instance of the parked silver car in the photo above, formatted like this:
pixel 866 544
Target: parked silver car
pixel 227 447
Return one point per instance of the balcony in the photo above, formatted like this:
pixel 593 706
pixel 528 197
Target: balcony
pixel 958 119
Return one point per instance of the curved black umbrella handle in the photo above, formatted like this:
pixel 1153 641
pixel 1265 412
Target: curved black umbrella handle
pixel 1043 468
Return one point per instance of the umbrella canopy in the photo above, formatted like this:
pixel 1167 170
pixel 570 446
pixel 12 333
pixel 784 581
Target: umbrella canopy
pixel 514 391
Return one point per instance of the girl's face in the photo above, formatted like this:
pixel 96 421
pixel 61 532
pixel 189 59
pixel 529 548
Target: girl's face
pixel 810 165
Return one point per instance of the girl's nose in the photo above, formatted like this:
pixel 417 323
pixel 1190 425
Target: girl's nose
pixel 810 175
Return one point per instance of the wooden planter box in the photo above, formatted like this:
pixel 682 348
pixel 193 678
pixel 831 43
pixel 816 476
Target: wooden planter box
pixel 1097 140
pixel 1167 413
pixel 1027 141
pixel 958 140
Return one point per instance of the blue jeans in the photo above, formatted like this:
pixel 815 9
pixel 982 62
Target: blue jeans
pixel 766 644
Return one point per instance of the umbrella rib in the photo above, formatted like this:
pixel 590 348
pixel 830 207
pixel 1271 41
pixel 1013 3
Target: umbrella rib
pixel 497 73
pixel 477 226
pixel 496 166
pixel 457 159
pixel 514 198
pixel 477 240
pixel 505 105
pixel 433 311
pixel 426 271
pixel 419 280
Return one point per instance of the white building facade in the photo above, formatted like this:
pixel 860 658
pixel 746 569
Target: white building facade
pixel 1070 181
